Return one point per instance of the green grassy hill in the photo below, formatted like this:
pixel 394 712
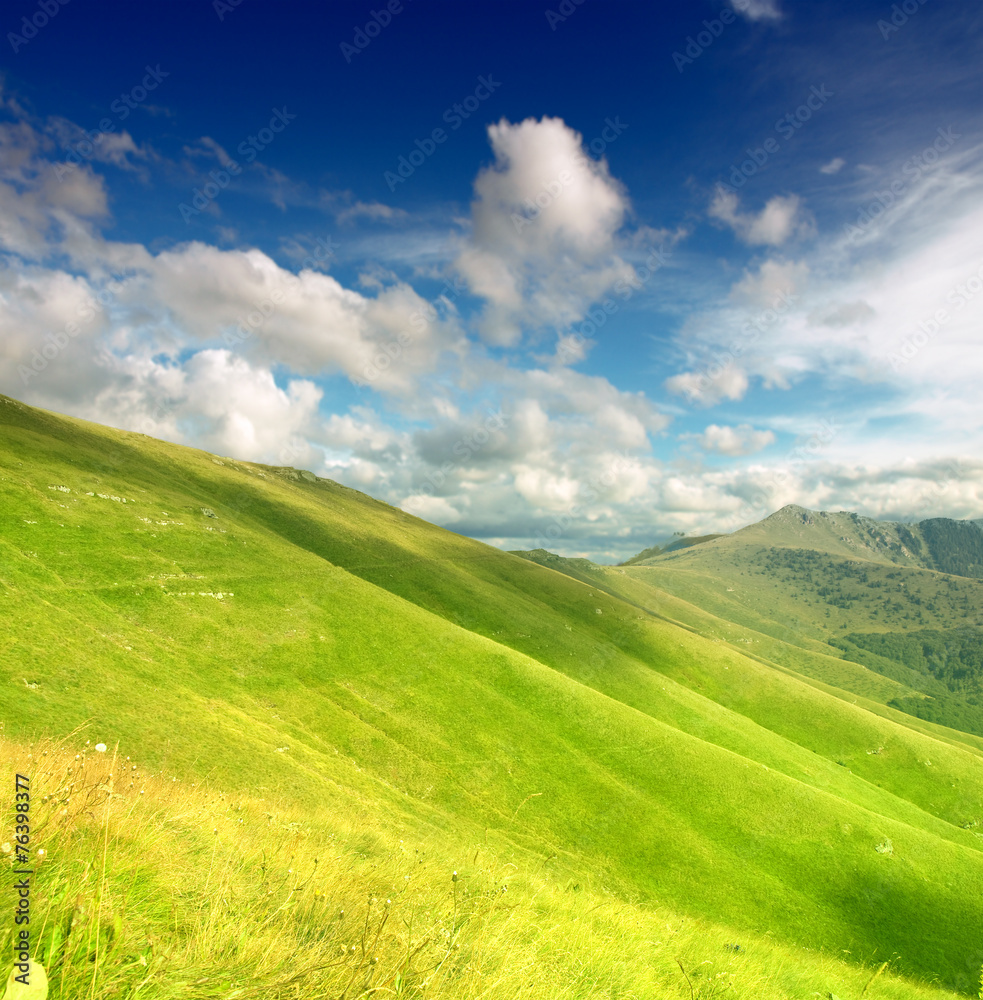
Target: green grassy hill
pixel 283 637
pixel 935 543
pixel 683 542
pixel 814 586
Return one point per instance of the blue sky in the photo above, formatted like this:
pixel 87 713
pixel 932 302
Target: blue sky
pixel 575 275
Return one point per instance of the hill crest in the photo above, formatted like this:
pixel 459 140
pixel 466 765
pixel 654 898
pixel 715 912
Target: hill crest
pixel 942 544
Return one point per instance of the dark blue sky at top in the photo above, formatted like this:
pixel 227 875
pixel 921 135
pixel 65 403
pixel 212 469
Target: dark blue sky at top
pixel 608 59
pixel 683 128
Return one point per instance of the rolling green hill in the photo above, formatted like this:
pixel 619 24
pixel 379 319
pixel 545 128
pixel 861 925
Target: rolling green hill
pixel 946 665
pixel 936 543
pixel 843 586
pixel 683 542
pixel 281 636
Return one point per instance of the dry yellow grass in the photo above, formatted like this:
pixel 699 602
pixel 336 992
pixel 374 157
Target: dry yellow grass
pixel 151 888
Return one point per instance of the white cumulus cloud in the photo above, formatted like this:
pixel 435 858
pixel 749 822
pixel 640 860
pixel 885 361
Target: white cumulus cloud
pixel 711 385
pixel 780 219
pixel 735 441
pixel 544 219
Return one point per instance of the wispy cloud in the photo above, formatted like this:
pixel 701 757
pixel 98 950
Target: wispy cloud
pixel 758 10
pixel 375 210
pixel 781 218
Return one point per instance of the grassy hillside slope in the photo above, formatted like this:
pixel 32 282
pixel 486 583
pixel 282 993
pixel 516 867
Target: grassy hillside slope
pixel 221 895
pixel 285 636
pixel 681 542
pixel 825 586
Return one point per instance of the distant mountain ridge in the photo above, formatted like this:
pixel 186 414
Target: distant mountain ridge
pixel 683 542
pixel 902 599
pixel 938 543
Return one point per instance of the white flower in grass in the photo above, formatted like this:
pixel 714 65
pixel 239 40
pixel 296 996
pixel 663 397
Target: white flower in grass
pixel 101 747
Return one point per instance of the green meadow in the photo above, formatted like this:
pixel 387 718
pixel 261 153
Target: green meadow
pixel 519 776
